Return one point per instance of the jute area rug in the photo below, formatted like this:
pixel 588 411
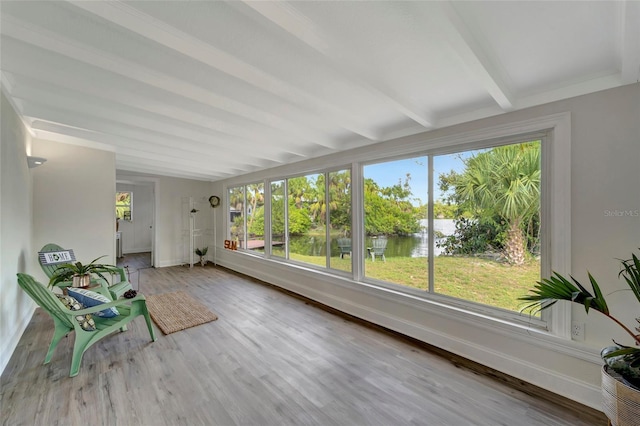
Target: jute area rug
pixel 177 311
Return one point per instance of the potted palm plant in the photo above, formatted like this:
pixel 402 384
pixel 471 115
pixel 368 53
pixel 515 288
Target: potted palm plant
pixel 79 274
pixel 621 373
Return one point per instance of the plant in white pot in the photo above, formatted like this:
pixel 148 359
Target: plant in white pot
pixel 202 253
pixel 621 398
pixel 623 359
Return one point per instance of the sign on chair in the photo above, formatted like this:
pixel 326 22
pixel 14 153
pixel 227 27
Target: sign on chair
pixel 54 257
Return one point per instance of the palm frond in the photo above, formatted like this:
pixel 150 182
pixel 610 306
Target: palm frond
pixel 549 290
pixel 631 274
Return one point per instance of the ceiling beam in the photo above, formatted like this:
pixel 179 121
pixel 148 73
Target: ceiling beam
pixel 473 54
pixel 630 38
pixel 160 32
pixel 121 144
pixel 295 23
pixel 123 121
pixel 211 170
pixel 181 174
pixel 81 52
pixel 38 82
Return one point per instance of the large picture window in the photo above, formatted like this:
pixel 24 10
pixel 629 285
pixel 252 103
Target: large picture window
pixel 461 226
pixel 490 249
pixel 395 221
pixel 481 236
pixel 246 216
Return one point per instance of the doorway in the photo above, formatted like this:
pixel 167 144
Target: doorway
pixel 137 230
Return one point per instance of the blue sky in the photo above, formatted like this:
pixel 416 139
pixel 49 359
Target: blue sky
pixel 389 173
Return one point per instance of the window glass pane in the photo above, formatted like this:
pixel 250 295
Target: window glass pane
pixel 306 221
pixel 396 244
pixel 277 219
pixel 488 246
pixel 340 219
pixel 255 217
pixel 236 215
pixel 123 205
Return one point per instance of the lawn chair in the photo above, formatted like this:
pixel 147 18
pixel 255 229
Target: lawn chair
pixel 52 256
pixel 379 246
pixel 344 244
pixel 65 320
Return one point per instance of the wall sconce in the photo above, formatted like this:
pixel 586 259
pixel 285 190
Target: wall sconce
pixel 35 161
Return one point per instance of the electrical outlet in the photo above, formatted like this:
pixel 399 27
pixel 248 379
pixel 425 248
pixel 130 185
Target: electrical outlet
pixel 577 330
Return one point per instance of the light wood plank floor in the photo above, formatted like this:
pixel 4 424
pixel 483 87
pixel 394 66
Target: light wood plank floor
pixel 270 359
pixel 134 264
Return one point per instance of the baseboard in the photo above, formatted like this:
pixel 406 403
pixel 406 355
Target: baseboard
pixel 9 346
pixel 137 250
pixel 168 263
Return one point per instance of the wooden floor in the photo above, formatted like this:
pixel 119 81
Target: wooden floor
pixel 270 359
pixel 134 264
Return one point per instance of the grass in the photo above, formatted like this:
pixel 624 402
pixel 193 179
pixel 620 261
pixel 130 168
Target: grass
pixel 470 278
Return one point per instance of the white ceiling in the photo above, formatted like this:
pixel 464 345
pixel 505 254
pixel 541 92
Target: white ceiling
pixel 208 89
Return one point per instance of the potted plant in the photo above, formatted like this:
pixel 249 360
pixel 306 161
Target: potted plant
pixel 202 253
pixel 621 391
pixel 79 274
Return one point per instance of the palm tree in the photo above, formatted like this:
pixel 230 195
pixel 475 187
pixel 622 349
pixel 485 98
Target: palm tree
pixel 504 181
pixel 255 197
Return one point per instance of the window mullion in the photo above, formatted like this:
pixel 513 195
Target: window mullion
pixel 326 221
pixel 357 221
pixel 267 219
pixel 430 235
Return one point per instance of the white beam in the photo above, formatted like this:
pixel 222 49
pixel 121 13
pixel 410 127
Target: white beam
pixel 304 29
pixel 173 38
pixel 153 130
pixel 135 167
pixel 99 140
pixel 474 55
pixel 33 81
pixel 81 52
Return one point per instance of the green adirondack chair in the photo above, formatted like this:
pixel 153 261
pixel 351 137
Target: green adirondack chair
pixel 344 244
pixel 65 319
pixel 49 264
pixel 379 246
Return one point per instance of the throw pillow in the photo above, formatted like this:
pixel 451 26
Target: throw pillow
pixel 86 321
pixel 90 298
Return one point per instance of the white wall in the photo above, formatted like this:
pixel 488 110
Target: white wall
pixel 136 234
pixel 605 154
pixel 73 201
pixel 16 251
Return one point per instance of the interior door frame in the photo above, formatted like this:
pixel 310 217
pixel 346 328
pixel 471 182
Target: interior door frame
pixel 154 183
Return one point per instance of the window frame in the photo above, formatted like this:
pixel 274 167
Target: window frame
pixel 443 298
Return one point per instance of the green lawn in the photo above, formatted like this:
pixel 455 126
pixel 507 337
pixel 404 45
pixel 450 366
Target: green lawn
pixel 470 278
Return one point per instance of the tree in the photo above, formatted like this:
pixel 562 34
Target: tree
pixel 340 201
pixel 504 182
pixel 387 210
pixel 255 199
